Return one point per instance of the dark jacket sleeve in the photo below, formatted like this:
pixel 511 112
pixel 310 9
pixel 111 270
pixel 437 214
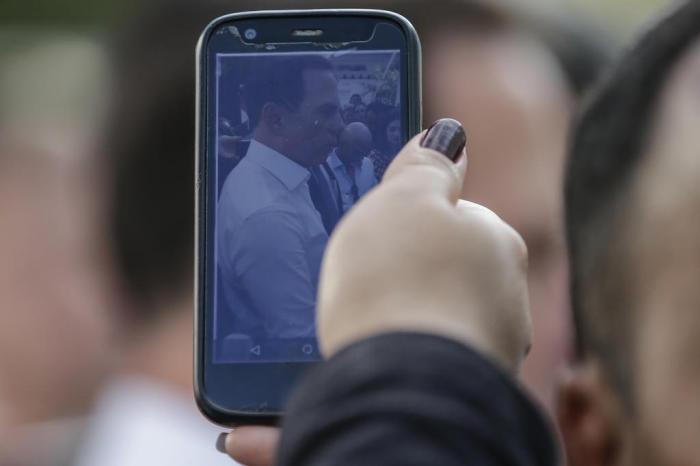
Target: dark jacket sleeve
pixel 412 399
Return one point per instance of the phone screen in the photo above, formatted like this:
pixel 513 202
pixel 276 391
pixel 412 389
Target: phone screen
pixel 298 133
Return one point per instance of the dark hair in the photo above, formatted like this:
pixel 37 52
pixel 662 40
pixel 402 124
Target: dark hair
pixel 608 144
pixel 149 148
pixel 279 80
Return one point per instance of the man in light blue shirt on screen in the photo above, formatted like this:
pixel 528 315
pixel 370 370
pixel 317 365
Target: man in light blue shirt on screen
pixel 276 208
pixel 352 170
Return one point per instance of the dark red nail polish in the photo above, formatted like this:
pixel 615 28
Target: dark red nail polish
pixel 446 136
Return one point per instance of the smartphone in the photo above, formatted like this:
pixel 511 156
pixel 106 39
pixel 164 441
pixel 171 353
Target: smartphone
pixel 299 113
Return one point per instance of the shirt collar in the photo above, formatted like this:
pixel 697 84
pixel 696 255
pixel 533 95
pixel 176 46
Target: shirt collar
pixel 290 173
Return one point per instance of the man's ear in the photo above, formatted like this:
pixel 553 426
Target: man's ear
pixel 590 418
pixel 271 116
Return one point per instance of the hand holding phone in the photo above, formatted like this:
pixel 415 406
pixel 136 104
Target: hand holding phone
pixel 466 279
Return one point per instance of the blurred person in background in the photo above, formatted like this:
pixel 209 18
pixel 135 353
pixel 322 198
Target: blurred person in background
pixel 55 331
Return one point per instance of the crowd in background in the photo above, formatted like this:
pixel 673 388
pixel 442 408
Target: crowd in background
pixel 96 232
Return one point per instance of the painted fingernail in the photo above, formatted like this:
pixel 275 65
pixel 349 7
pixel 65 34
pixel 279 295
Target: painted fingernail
pixel 446 136
pixel 221 442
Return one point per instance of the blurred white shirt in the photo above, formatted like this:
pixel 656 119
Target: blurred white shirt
pixel 138 422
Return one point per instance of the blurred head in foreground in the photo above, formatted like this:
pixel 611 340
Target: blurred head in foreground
pixel 632 203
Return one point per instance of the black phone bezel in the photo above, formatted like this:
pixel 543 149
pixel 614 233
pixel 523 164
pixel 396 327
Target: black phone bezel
pixel 219 414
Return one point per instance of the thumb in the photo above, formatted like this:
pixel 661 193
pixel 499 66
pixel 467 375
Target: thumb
pixel 433 163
